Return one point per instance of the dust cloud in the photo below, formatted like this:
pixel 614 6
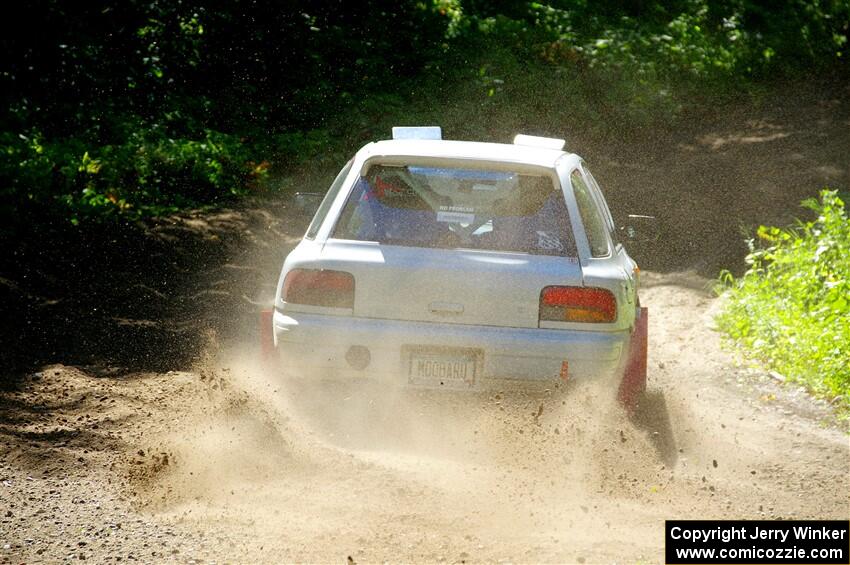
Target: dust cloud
pixel 388 471
pixel 315 470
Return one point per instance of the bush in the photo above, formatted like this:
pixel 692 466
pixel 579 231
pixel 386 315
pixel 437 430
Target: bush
pixel 686 38
pixel 148 174
pixel 791 309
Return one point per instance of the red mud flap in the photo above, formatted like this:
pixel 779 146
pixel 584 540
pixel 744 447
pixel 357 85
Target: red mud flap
pixel 634 374
pixel 267 352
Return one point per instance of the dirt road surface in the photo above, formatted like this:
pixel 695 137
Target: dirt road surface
pixel 218 458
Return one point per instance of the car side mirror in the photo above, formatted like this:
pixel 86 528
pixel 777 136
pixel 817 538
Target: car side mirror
pixel 640 229
pixel 308 202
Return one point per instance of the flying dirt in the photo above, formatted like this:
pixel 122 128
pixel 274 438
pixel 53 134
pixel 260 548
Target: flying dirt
pixel 229 460
pixel 232 463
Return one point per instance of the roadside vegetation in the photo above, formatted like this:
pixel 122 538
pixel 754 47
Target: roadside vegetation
pixel 135 109
pixel 791 309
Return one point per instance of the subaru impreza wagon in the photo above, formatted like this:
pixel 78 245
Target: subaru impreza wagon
pixel 459 264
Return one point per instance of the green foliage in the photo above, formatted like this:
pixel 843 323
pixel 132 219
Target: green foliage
pixel 148 174
pixel 791 309
pixel 688 37
pixel 193 102
pixel 639 64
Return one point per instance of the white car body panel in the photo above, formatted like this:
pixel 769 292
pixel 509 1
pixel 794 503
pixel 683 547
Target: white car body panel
pixel 315 345
pixel 447 286
pixel 455 298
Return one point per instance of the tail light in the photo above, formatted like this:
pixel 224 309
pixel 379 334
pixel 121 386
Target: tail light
pixel 319 287
pixel 577 304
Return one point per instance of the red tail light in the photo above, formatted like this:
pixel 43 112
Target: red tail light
pixel 319 287
pixel 577 304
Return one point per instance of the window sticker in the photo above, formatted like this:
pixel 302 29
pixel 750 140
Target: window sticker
pixel 549 242
pixel 456 214
pixel 384 188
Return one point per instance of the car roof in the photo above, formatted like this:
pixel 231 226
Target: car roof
pixel 473 150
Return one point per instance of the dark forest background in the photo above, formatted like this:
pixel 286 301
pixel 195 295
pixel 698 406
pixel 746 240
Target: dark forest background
pixel 133 109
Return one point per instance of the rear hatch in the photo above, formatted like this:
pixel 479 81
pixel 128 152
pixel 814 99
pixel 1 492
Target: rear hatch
pixel 449 286
pixel 461 243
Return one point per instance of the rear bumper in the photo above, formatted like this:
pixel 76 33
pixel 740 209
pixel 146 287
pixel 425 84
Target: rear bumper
pixel 316 345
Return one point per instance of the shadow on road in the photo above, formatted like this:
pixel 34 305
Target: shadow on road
pixel 653 417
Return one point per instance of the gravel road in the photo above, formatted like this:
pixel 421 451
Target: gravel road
pixel 225 461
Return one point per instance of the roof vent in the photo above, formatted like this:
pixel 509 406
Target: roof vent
pixel 418 132
pixel 542 142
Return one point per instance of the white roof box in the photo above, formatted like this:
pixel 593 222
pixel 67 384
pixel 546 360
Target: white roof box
pixel 542 142
pixel 417 132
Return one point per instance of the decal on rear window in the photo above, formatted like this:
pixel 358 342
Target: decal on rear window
pixel 456 214
pixel 547 241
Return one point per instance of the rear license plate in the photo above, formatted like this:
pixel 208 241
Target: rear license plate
pixel 449 367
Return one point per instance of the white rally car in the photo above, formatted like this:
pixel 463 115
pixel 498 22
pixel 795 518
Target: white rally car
pixel 456 264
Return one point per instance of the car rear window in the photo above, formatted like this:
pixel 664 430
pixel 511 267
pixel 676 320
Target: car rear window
pixel 458 208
